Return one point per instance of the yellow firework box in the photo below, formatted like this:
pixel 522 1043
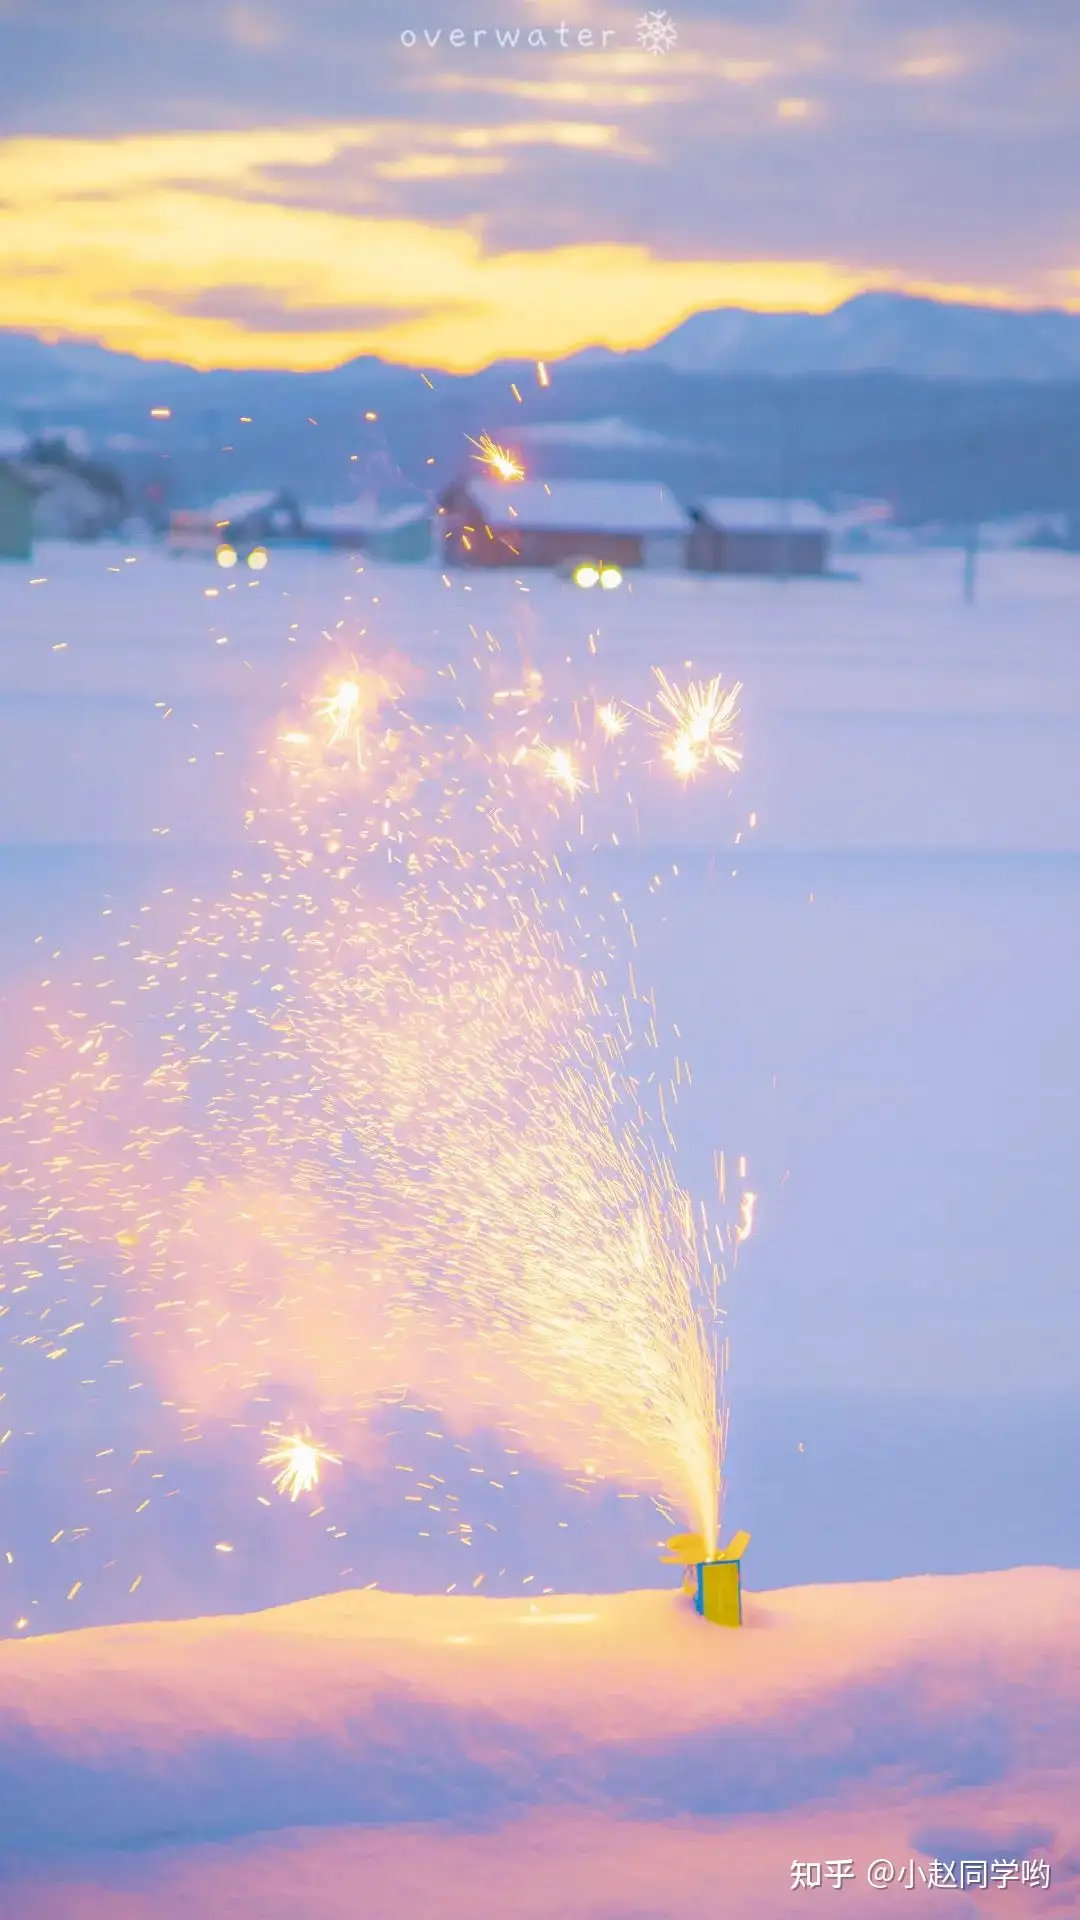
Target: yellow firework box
pixel 719 1592
pixel 716 1583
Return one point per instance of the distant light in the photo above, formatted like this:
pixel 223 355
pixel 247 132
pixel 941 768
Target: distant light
pixel 161 413
pixel 257 559
pixel 226 556
pixel 610 577
pixel 586 576
pixel 371 416
pixel 542 374
pixel 245 419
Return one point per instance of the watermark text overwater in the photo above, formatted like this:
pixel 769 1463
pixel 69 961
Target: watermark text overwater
pixel 655 33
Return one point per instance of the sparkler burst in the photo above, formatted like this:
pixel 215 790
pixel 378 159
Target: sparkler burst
pixel 347 710
pixel 497 459
pixel 341 711
pixel 612 719
pixel 559 767
pixel 298 1460
pixel 696 724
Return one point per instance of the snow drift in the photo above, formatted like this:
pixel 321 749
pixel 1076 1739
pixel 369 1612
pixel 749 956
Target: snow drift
pixel 944 1703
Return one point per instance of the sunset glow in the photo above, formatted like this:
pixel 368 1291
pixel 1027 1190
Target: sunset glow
pixel 213 248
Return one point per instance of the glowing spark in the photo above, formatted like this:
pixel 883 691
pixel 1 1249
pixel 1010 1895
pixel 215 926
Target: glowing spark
pixel 696 724
pixel 299 1461
pixel 559 768
pixel 341 711
pixel 683 756
pixel 745 1225
pixel 498 459
pixel 613 721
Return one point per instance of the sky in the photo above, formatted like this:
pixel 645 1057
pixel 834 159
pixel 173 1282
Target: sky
pixel 265 183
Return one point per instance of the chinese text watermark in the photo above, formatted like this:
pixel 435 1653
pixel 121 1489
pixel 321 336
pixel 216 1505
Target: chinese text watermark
pixel 807 1875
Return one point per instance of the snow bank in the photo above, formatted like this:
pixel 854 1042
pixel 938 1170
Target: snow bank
pixel 401 1715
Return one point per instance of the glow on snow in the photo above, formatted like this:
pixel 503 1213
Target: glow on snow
pixel 380 1119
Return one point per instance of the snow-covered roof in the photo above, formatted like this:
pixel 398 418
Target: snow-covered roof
pixel 240 506
pixel 579 506
pixel 354 516
pixel 764 516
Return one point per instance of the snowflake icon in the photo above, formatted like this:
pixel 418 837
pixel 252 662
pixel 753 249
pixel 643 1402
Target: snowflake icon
pixel 656 31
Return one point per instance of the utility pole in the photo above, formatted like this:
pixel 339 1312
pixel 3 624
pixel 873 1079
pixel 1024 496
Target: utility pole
pixel 971 563
pixel 213 448
pixel 786 453
pixel 971 550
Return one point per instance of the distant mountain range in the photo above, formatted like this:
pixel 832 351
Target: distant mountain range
pixel 875 332
pixel 951 413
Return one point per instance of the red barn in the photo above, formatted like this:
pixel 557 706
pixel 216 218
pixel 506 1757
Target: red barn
pixel 545 523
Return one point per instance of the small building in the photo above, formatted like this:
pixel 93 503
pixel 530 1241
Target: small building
pixel 258 519
pixel 192 530
pixel 240 520
pixel 72 497
pixel 545 523
pixel 399 533
pixel 781 538
pixel 16 514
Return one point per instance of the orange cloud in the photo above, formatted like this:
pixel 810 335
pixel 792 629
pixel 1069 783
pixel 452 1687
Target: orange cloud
pixel 189 247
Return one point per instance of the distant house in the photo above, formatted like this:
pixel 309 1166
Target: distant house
pixel 16 514
pixel 240 520
pixel 777 537
pixel 192 530
pixel 398 532
pixel 537 523
pixel 258 519
pixel 72 496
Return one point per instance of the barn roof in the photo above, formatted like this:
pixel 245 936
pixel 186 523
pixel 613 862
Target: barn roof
pixel 579 506
pixel 763 516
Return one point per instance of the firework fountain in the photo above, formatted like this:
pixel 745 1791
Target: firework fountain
pixel 384 1114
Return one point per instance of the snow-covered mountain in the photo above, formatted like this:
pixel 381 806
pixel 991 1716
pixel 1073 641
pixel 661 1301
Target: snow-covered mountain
pixel 875 332
pixel 890 332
